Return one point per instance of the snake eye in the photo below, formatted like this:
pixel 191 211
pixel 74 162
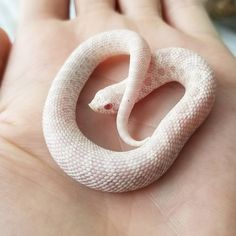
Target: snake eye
pixel 108 106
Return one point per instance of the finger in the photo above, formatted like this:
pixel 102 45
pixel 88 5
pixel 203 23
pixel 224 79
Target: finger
pixel 5 46
pixel 140 8
pixel 189 16
pixel 41 9
pixel 86 6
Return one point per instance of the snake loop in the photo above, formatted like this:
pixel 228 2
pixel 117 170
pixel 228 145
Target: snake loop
pixel 112 171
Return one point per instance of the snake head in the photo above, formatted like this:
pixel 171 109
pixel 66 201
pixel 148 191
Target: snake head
pixel 106 101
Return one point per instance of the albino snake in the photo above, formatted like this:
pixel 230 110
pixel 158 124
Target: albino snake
pixel 113 171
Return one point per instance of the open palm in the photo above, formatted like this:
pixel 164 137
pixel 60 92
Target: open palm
pixel 195 197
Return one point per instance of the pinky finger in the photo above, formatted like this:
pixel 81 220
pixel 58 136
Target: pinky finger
pixel 189 16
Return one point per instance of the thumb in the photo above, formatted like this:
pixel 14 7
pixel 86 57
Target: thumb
pixel 5 46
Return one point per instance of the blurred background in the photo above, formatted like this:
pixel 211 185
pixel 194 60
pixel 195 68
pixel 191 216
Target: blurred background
pixel 223 13
pixel 9 12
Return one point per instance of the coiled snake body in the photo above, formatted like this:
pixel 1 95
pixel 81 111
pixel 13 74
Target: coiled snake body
pixel 113 171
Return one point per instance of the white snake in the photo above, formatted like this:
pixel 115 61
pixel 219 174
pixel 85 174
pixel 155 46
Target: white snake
pixel 113 171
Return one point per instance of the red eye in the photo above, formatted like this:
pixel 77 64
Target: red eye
pixel 108 106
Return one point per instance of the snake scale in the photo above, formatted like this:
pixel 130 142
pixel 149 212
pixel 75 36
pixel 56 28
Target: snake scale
pixel 113 171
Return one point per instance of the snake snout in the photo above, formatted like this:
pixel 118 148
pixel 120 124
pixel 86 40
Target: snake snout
pixel 91 105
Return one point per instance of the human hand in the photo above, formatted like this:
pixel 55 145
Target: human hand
pixel 195 197
pixel 5 46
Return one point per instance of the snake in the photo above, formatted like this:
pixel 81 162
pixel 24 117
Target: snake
pixel 121 171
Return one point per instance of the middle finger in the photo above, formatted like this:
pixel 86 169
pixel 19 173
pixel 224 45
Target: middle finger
pixel 140 8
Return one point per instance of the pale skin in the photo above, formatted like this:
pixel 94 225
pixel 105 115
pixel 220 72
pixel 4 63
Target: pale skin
pixel 195 197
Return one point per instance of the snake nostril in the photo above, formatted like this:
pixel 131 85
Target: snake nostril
pixel 108 106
